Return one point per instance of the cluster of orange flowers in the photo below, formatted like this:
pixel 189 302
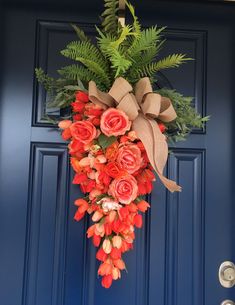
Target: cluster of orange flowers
pixel 112 168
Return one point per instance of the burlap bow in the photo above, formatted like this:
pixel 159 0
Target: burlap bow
pixel 142 108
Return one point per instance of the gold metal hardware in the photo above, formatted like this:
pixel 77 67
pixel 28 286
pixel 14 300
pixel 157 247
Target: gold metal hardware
pixel 121 12
pixel 227 274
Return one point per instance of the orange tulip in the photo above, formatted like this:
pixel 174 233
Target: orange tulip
pixel 143 205
pixel 117 241
pixel 96 240
pixel 105 269
pixel 82 204
pixel 97 216
pixel 78 216
pixel 65 124
pixel 107 281
pixel 116 274
pixel 90 231
pixel 123 212
pixel 138 221
pixel 107 246
pixel 132 207
pixel 75 165
pixel 101 255
pixel 119 263
pixel 66 134
pixel 99 229
pixel 111 216
pixel 115 253
pixel 108 229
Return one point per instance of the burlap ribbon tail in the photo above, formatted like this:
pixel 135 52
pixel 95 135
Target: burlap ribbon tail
pixel 142 108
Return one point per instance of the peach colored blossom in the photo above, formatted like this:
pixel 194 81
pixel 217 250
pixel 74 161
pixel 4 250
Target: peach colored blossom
pixel 124 189
pixel 99 229
pixel 65 124
pixel 116 274
pixel 83 131
pixel 129 158
pixel 97 216
pixel 107 246
pixel 114 122
pixel 117 241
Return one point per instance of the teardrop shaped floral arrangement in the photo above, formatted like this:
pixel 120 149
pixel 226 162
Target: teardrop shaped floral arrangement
pixel 118 128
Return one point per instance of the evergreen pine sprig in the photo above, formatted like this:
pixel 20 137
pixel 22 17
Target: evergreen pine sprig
pixel 187 116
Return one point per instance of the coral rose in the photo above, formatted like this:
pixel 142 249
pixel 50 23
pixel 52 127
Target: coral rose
pixel 129 158
pixel 114 122
pixel 124 189
pixel 83 131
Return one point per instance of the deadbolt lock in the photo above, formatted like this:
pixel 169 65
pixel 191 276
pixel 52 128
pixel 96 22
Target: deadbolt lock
pixel 227 276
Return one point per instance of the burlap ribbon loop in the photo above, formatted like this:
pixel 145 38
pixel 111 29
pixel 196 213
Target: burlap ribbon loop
pixel 142 108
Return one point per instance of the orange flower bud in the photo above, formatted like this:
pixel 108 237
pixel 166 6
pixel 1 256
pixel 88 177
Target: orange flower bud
pixel 143 205
pixel 107 247
pixel 111 216
pixel 80 202
pixel 116 274
pixel 97 216
pixel 132 207
pixel 138 220
pixel 78 216
pixel 101 255
pixel 99 229
pixel 107 281
pixel 90 231
pixel 66 134
pixel 115 253
pixel 117 241
pixel 108 229
pixel 65 124
pixel 96 240
pixel 85 162
pixel 75 165
pixel 105 269
pixel 119 263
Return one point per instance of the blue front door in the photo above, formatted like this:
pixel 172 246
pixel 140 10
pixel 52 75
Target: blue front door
pixel 45 257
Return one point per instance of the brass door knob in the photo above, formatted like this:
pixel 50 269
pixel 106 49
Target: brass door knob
pixel 227 275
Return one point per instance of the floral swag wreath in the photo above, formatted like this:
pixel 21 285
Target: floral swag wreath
pixel 118 129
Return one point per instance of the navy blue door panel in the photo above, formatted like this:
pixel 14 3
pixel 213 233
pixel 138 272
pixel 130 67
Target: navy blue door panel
pixel 45 258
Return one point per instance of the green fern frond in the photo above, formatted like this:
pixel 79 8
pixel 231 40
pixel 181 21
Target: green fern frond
pixel 147 39
pixel 96 69
pixel 110 18
pixel 136 24
pixel 171 61
pixel 75 72
pixel 86 50
pixel 80 33
pixel 90 56
pixel 115 50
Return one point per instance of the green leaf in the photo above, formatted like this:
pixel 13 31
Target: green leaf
pixel 105 141
pixel 80 33
pixel 109 16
